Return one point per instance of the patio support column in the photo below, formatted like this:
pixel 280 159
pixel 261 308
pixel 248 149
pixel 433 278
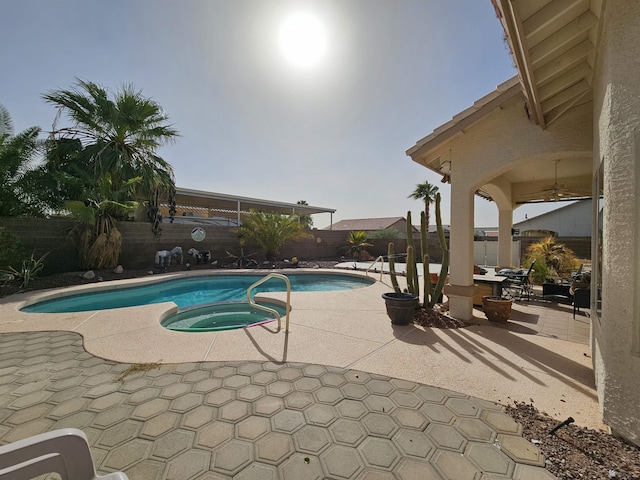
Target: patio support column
pixel 460 290
pixel 505 241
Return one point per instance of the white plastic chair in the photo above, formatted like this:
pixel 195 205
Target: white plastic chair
pixel 65 452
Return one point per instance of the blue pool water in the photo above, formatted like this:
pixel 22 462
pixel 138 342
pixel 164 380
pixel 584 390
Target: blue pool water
pixel 221 316
pixel 193 291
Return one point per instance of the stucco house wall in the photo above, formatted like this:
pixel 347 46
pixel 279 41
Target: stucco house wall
pixel 616 332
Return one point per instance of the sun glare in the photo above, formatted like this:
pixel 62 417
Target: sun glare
pixel 302 40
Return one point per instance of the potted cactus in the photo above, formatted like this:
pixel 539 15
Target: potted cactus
pixel 401 305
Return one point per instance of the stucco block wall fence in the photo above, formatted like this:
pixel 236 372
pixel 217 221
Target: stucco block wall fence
pixel 139 243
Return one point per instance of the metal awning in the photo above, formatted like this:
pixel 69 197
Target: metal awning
pixel 186 197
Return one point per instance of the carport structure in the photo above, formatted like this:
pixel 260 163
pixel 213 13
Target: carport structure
pixel 230 206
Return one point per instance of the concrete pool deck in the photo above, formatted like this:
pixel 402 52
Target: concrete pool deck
pixel 541 355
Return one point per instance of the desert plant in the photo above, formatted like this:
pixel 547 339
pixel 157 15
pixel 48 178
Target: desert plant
pixel 270 230
pixel 540 271
pixel 113 137
pixel 30 269
pixel 358 243
pixel 429 297
pixel 427 193
pixel 557 257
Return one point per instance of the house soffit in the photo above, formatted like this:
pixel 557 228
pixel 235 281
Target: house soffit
pixel 554 45
pixel 545 176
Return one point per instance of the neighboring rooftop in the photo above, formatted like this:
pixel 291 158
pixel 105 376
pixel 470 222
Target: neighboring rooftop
pixel 371 224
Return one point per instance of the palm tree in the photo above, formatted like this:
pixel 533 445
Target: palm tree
pixel 19 194
pixel 120 134
pixel 305 220
pixel 426 192
pixel 270 230
pixel 358 243
pixel 107 160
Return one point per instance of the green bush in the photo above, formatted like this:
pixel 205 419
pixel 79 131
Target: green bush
pixel 558 260
pixel 385 234
pixel 540 270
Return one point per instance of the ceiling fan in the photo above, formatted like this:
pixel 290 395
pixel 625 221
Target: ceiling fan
pixel 556 191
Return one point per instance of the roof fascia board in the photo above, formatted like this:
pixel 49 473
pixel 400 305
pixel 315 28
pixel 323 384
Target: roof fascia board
pixel 483 107
pixel 515 36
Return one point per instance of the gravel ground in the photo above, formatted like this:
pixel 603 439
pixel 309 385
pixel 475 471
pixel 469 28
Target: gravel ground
pixel 576 452
pixel 572 452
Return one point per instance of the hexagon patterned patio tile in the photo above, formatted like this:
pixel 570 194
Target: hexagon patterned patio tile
pixel 255 420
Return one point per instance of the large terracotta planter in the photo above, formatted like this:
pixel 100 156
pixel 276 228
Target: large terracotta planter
pixel 401 307
pixel 496 309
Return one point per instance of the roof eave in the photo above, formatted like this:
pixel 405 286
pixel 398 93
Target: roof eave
pixel 514 36
pixel 480 109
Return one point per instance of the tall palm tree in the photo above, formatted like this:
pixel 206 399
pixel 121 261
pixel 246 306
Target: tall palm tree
pixel 427 193
pixel 107 159
pixel 19 195
pixel 120 134
pixel 305 220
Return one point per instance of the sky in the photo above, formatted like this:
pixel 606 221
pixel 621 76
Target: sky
pixel 323 113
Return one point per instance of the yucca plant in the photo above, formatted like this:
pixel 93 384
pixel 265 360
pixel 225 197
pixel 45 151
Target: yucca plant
pixel 31 268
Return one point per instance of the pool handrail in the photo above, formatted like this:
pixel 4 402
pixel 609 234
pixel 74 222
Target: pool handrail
pixel 381 260
pixel 268 309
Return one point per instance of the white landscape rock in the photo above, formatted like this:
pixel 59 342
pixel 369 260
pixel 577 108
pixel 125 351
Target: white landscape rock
pixel 118 269
pixel 89 275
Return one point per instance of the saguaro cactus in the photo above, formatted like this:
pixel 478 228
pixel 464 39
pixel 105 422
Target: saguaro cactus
pixel 444 269
pixel 430 298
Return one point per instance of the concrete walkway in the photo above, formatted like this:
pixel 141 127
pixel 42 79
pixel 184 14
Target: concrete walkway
pixel 343 395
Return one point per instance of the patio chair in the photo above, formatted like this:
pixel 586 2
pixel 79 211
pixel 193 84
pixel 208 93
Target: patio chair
pixel 519 286
pixel 65 452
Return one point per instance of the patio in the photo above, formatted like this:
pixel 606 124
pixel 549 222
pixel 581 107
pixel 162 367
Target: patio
pixel 343 395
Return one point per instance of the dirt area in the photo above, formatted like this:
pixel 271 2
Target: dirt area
pixel 572 452
pixel 576 452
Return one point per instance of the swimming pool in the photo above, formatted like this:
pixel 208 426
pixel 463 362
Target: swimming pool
pixel 188 292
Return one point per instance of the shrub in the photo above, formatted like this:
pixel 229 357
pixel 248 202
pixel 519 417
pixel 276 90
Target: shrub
pixel 385 234
pixel 558 259
pixel 358 243
pixel 30 269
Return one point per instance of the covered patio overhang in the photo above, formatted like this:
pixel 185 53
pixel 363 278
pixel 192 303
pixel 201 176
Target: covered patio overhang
pixel 531 140
pixel 495 150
